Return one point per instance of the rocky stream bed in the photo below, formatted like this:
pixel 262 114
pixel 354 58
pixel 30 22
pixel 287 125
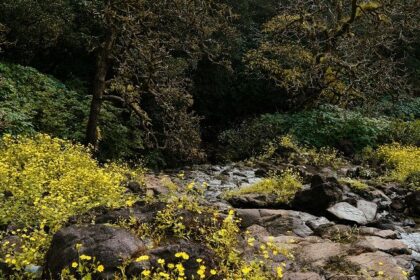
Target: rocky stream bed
pixel 332 228
pixel 334 232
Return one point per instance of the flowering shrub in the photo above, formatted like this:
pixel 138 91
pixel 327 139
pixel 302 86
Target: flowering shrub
pixel 286 147
pixel 401 161
pixel 218 231
pixel 43 182
pixel 284 186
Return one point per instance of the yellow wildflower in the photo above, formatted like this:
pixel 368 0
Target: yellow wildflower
pixel 85 258
pixel 142 258
pixel 145 272
pixel 246 270
pixel 183 255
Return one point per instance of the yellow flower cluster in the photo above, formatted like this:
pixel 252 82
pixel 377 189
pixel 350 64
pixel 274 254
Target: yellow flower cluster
pixel 283 186
pixel 402 160
pixel 44 181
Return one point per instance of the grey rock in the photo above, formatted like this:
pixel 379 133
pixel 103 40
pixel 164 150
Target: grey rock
pixel 348 212
pixel 368 208
pixel 318 222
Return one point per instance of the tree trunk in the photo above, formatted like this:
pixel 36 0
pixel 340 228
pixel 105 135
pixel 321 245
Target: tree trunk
pixel 99 86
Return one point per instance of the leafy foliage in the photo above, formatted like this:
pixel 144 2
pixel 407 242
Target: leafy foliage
pixel 31 101
pixel 343 52
pixel 348 131
pixel 404 132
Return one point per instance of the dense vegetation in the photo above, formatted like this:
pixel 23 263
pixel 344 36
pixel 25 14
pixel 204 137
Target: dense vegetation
pixel 90 90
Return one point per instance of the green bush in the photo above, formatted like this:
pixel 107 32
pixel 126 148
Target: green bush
pixel 405 108
pixel 252 136
pixel 404 132
pixel 31 101
pixel 347 131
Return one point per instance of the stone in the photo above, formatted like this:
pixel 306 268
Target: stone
pixel 385 233
pixel 330 232
pixel 283 224
pixel 347 212
pixel 321 195
pixel 257 231
pixel 319 222
pixel 391 246
pixel 409 222
pixel 111 246
pixel 261 173
pixel 135 187
pixel 417 270
pixel 368 208
pixel 248 217
pixel 318 253
pixel 255 200
pixel 302 276
pixel 156 184
pixel 372 263
pixel 277 222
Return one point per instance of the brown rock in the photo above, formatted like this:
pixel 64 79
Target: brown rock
pixel 392 246
pixel 376 263
pixel 318 253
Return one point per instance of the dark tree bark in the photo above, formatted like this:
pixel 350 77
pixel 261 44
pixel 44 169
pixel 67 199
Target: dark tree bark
pixel 98 90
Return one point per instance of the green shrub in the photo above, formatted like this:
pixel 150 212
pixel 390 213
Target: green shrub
pixel 405 108
pixel 404 132
pixel 327 126
pixel 31 101
pixel 345 130
pixel 250 138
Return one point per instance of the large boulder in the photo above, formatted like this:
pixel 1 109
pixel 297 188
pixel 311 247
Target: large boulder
pixel 110 246
pixel 321 195
pixel 318 253
pixel 256 200
pixel 364 213
pixel 391 246
pixel 279 221
pixel 381 265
